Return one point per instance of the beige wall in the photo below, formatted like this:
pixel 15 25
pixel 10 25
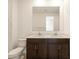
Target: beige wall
pixel 12 23
pixel 66 17
pixel 9 24
pixel 24 18
pixel 64 12
pixel 20 19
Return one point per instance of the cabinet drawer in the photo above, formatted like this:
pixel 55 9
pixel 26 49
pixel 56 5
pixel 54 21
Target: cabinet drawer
pixel 63 41
pixel 35 40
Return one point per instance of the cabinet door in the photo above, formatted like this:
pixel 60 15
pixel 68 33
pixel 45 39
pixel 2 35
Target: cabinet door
pixel 31 51
pixel 36 49
pixel 52 50
pixel 42 50
pixel 65 51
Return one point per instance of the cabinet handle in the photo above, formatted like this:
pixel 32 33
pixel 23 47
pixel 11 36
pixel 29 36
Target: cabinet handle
pixel 59 52
pixel 35 47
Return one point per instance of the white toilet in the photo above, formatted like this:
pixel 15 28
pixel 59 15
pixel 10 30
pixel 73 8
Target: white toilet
pixel 17 52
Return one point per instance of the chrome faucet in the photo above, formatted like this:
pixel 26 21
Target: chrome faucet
pixel 39 33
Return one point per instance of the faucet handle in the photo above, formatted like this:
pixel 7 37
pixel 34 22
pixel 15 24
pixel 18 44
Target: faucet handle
pixel 39 33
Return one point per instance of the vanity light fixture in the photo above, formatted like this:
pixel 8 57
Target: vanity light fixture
pixel 47 2
pixel 39 2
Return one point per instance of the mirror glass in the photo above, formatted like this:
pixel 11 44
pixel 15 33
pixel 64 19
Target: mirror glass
pixel 45 18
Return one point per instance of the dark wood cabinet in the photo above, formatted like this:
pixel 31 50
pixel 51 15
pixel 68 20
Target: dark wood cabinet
pixel 43 48
pixel 36 49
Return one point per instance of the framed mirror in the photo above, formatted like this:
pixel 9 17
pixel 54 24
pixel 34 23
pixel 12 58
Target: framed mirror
pixel 45 18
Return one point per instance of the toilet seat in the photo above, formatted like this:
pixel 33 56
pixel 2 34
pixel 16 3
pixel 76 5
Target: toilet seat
pixel 15 52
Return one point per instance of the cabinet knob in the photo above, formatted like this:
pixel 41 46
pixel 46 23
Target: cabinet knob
pixel 35 47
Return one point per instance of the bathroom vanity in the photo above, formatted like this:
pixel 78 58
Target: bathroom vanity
pixel 48 48
pixel 48 45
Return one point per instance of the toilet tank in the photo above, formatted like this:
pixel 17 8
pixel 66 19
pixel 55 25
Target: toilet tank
pixel 22 42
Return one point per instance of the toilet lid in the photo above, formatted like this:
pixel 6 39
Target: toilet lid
pixel 16 51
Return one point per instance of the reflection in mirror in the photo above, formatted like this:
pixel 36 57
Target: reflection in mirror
pixel 49 23
pixel 45 19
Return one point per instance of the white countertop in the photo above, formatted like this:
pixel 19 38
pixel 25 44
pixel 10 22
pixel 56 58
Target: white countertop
pixel 48 36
